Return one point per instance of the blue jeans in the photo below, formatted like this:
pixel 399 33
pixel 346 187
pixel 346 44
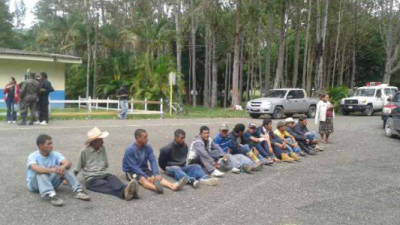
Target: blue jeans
pixel 312 136
pixel 11 110
pixel 191 172
pixel 292 149
pixel 124 108
pixel 47 183
pixel 246 149
pixel 239 160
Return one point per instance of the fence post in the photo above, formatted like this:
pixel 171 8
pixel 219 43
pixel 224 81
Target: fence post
pixel 97 104
pixel 118 105
pixel 132 105
pixel 89 104
pixel 79 102
pixel 49 105
pixel 108 102
pixel 161 106
pixel 145 104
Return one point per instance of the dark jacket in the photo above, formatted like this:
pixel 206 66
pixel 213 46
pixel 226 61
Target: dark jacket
pixel 173 155
pixel 45 89
pixel 297 135
pixel 236 141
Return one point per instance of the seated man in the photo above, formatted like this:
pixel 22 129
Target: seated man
pixel 238 160
pixel 301 139
pixel 254 140
pixel 93 163
pixel 311 137
pixel 263 132
pixel 135 165
pixel 289 140
pixel 281 149
pixel 172 160
pixel 47 169
pixel 205 152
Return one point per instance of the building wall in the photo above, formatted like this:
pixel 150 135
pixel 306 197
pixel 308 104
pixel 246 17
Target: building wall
pixel 17 69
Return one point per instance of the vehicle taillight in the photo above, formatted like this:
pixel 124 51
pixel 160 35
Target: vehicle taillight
pixel 387 109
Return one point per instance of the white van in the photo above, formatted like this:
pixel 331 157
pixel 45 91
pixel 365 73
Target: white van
pixel 368 99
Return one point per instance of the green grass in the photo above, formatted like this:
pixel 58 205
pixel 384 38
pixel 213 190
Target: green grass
pixel 192 112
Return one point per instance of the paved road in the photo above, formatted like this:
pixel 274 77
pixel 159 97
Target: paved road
pixel 355 181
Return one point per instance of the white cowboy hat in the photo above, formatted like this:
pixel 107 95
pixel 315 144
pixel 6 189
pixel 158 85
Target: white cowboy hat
pixel 289 120
pixel 96 133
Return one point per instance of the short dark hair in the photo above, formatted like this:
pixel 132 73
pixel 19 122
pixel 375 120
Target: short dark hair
pixel 41 139
pixel 203 128
pixel 179 132
pixel 323 96
pixel 266 121
pixel 302 118
pixel 139 132
pixel 43 74
pixel 239 127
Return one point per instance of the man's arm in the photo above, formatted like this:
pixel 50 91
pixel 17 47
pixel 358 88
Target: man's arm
pixel 42 170
pixel 130 166
pixel 153 163
pixel 163 157
pixel 81 163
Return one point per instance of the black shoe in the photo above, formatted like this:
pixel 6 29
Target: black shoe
pixel 31 123
pixel 159 188
pixel 23 123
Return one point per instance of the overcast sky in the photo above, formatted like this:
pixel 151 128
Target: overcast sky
pixel 29 17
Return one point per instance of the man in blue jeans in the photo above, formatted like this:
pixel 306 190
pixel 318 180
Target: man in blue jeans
pixel 172 160
pixel 47 169
pixel 122 94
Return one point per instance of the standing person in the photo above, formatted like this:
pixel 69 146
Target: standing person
pixel 135 165
pixel 47 169
pixel 93 163
pixel 45 89
pixel 30 90
pixel 324 118
pixel 11 97
pixel 205 152
pixel 122 95
pixel 173 158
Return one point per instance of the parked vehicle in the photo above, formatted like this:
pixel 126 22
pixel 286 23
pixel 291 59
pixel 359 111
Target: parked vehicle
pixel 281 102
pixel 388 108
pixel 392 126
pixel 368 99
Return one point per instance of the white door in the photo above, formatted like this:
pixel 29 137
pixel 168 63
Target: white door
pixel 379 100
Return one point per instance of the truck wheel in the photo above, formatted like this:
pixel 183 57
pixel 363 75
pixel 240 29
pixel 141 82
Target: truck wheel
pixel 311 112
pixel 345 112
pixel 369 111
pixel 254 115
pixel 278 113
pixel 389 128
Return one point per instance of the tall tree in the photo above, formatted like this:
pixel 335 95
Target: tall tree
pixel 282 43
pixel 236 57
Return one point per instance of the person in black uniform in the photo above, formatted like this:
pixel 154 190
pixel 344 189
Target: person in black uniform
pixel 45 89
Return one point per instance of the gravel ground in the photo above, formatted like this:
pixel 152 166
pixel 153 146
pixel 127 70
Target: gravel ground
pixel 355 181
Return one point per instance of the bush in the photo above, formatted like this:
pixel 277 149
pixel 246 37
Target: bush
pixel 336 94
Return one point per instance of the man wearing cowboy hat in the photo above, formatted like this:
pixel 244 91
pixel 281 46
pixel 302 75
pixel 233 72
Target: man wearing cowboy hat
pixel 302 141
pixel 93 163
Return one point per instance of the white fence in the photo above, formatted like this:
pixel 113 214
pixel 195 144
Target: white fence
pixel 108 105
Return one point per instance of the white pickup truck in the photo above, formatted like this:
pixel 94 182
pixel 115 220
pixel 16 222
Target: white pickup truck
pixel 281 102
pixel 368 99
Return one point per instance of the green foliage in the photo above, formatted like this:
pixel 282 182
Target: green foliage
pixel 338 93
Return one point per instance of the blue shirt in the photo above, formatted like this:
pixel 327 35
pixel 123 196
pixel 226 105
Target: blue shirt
pixel 52 160
pixel 223 142
pixel 136 160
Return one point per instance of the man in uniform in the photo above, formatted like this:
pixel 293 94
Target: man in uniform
pixel 45 89
pixel 29 98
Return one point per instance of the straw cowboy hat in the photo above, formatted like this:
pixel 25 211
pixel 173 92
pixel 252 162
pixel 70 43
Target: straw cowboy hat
pixel 96 133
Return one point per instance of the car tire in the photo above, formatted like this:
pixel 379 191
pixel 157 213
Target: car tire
pixel 369 111
pixel 311 111
pixel 255 115
pixel 389 128
pixel 278 113
pixel 345 112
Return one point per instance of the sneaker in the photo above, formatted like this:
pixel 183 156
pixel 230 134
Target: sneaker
pixel 217 173
pixel 131 190
pixel 247 169
pixel 81 195
pixel 210 181
pixel 235 170
pixel 319 148
pixel 301 153
pixel 36 123
pixel 43 123
pixel 268 162
pixel 195 184
pixel 182 182
pixel 159 188
pixel 9 122
pixel 56 201
pixel 14 122
pixel 257 167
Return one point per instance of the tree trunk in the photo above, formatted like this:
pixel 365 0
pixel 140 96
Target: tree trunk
pixel 389 44
pixel 241 70
pixel 297 45
pixel 193 45
pixel 226 88
pixel 89 47
pixel 309 71
pixel 304 75
pixel 214 71
pixel 337 43
pixel 235 75
pixel 95 72
pixel 206 96
pixel 281 57
pixel 321 49
pixel 178 46
pixel 342 65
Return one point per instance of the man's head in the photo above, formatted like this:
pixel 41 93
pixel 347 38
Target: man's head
pixel 97 143
pixel 267 124
pixel 324 97
pixel 303 120
pixel 252 128
pixel 289 122
pixel 204 132
pixel 44 144
pixel 141 137
pixel 239 128
pixel 180 136
pixel 43 75
pixel 281 126
pixel 223 130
